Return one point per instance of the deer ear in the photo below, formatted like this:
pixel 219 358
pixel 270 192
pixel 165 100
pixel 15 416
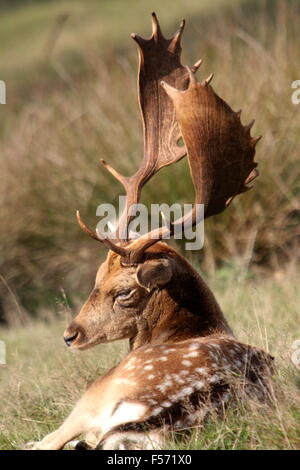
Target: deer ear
pixel 154 273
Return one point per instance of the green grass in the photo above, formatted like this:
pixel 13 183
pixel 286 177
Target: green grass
pixel 43 379
pixel 66 110
pixel 26 29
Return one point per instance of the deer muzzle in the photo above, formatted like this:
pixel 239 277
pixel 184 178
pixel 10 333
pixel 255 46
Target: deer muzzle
pixel 68 339
pixel 72 334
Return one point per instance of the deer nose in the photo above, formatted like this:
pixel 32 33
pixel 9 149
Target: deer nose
pixel 70 338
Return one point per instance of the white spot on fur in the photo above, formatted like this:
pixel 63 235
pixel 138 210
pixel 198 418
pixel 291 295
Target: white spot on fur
pixel 166 404
pixel 201 370
pixel 199 384
pixel 148 367
pixel 148 350
pixel 191 354
pixel 179 380
pixel 174 376
pixel 186 363
pixel 174 397
pixel 130 364
pixel 186 391
pixel 181 394
pixel 163 358
pixel 152 402
pixel 213 379
pixel 163 387
pixel 151 376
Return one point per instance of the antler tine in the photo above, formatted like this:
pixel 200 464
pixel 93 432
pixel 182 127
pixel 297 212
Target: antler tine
pixel 254 174
pixel 138 39
pixel 156 31
pixel 249 126
pixel 106 241
pixel 196 65
pixel 123 179
pixel 137 247
pixel 208 80
pixel 255 140
pixel 176 39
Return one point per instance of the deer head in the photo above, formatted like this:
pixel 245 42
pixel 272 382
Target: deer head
pixel 146 291
pixel 161 299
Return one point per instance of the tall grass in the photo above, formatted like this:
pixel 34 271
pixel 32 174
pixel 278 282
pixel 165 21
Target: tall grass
pixel 69 108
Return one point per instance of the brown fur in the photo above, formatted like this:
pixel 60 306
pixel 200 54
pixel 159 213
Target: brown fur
pixel 182 309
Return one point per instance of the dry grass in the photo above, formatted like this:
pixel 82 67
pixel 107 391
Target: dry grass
pixel 72 110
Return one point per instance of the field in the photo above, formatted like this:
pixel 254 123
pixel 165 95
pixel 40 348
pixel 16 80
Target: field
pixel 66 65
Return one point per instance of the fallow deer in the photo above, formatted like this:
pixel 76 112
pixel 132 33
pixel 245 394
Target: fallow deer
pixel 184 359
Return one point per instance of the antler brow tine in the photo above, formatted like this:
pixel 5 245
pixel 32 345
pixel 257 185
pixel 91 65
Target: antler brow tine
pixel 106 241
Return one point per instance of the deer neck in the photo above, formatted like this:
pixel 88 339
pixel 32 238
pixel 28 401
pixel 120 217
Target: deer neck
pixel 183 310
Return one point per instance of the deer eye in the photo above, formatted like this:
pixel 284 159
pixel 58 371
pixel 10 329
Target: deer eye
pixel 125 294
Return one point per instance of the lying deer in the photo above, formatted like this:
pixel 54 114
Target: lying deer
pixel 184 360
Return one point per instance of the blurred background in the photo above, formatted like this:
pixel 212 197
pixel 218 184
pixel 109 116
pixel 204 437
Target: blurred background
pixel 70 71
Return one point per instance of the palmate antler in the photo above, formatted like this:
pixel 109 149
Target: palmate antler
pixel 173 104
